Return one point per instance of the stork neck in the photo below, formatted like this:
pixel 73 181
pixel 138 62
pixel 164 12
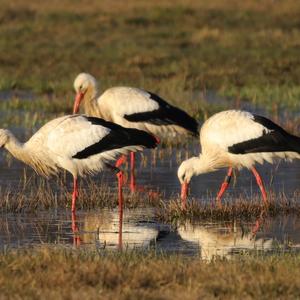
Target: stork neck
pixel 17 149
pixel 90 103
pixel 204 164
pixel 30 155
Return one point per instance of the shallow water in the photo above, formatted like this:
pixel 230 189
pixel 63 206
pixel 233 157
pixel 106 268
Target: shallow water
pixel 101 230
pixel 156 169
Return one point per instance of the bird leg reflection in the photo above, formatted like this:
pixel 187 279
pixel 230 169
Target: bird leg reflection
pixel 258 223
pixel 120 177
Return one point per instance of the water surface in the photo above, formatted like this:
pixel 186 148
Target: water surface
pixel 101 230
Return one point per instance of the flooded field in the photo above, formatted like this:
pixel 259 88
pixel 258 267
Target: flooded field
pixel 156 170
pixel 101 230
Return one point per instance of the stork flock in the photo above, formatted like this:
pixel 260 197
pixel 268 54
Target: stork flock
pixel 124 120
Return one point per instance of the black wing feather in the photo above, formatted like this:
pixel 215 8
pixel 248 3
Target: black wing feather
pixel 119 137
pixel 277 140
pixel 165 115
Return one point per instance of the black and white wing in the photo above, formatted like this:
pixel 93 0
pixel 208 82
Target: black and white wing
pixel 240 132
pixel 136 105
pixel 93 142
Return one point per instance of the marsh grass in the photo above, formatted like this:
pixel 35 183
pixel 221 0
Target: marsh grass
pixel 35 193
pixel 241 208
pixel 51 272
pixel 246 49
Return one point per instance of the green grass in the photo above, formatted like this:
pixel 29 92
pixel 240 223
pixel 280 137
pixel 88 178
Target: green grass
pixel 245 49
pixel 68 274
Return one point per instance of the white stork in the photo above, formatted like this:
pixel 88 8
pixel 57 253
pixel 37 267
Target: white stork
pixel 238 139
pixel 79 144
pixel 132 108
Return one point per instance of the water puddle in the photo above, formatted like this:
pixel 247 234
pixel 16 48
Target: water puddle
pixel 101 230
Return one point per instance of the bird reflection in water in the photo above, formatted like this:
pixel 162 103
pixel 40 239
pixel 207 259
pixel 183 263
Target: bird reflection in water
pixel 222 242
pixel 107 229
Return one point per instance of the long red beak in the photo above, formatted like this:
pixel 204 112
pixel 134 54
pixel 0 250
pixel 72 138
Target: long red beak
pixel 184 193
pixel 78 99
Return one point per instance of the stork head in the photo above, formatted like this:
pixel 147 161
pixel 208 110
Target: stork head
pixel 83 84
pixel 189 168
pixel 186 171
pixel 4 137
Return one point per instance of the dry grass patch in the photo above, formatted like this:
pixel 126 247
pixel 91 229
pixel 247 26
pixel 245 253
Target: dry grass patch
pixel 74 274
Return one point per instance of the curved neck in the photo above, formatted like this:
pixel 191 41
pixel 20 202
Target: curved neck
pixel 204 164
pixel 30 156
pixel 16 148
pixel 90 102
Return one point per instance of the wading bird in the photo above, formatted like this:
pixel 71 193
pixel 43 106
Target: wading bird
pixel 79 144
pixel 132 108
pixel 237 139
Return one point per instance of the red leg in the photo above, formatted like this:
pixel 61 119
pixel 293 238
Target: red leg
pixel 132 161
pixel 76 237
pixel 260 184
pixel 133 186
pixel 224 185
pixel 75 194
pixel 120 184
pixel 121 161
pixel 132 172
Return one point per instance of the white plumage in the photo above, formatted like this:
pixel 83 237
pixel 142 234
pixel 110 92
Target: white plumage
pixel 231 127
pixel 238 139
pixel 76 143
pixel 132 108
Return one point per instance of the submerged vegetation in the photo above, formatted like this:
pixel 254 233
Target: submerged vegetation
pixel 68 274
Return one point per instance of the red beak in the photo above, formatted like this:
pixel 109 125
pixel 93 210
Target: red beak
pixel 78 99
pixel 184 193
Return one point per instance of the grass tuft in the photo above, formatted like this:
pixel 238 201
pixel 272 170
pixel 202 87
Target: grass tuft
pixel 240 208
